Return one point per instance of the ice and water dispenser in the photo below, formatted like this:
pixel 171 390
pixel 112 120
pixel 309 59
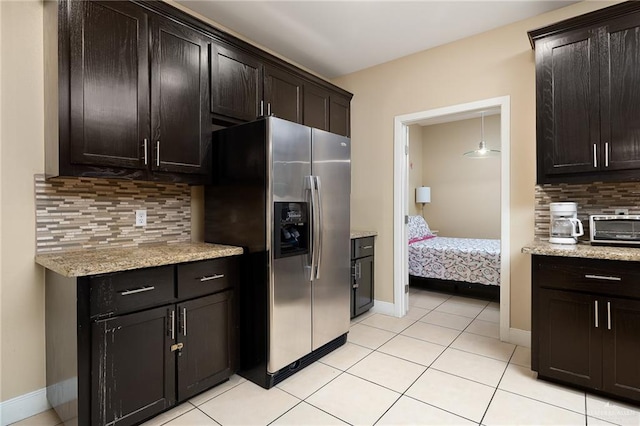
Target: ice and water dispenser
pixel 291 229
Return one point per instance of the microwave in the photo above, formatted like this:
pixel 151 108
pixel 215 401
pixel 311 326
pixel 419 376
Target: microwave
pixel 614 229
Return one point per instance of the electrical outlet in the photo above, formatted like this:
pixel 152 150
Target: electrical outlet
pixel 622 211
pixel 141 218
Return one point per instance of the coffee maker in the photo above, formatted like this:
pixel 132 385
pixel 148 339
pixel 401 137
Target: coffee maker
pixel 565 227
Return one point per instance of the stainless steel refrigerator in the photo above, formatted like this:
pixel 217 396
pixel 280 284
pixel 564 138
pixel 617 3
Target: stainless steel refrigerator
pixel 281 190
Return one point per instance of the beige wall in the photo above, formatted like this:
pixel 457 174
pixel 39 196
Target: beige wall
pixel 22 155
pixel 465 192
pixel 495 63
pixel 415 168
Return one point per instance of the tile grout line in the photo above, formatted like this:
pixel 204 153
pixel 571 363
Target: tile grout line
pixel 496 388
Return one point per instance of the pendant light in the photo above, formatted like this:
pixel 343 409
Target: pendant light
pixel 482 151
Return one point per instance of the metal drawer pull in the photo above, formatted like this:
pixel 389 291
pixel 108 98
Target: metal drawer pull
pixel 367 247
pixel 603 277
pixel 137 290
pixel 146 160
pixel 606 154
pixel 608 315
pixel 595 158
pixel 212 277
pixel 356 285
pixel 157 153
pixel 184 321
pixel 596 302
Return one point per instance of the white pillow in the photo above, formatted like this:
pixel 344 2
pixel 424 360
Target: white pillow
pixel 418 228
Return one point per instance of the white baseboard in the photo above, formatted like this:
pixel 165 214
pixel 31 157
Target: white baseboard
pixel 387 308
pixel 23 406
pixel 520 337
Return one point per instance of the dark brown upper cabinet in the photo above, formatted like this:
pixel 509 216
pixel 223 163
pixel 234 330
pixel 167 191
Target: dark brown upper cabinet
pixel 340 119
pixel 138 94
pixel 180 120
pixel 282 94
pixel 588 97
pixel 236 84
pixel 316 106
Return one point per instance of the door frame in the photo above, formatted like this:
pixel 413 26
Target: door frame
pixel 401 195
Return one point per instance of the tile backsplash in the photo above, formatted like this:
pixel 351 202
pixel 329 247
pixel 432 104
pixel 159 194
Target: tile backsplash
pixel 592 198
pixel 91 213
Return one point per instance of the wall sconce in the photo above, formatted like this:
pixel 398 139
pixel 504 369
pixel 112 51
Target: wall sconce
pixel 423 195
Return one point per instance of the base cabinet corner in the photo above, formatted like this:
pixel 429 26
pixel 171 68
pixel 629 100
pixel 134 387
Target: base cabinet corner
pixel 126 346
pixel 362 275
pixel 585 327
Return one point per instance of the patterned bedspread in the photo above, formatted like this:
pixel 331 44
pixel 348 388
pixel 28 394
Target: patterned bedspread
pixel 458 259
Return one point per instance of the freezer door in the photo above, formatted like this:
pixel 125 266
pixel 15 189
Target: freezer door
pixel 289 286
pixel 331 164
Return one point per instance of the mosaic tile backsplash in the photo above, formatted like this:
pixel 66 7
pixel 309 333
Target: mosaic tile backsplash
pixel 592 198
pixel 92 213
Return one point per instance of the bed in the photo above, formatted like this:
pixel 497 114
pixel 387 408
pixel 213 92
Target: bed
pixel 453 262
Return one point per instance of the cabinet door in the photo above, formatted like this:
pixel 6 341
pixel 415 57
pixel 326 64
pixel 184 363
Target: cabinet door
pixel 180 121
pixel 620 92
pixel 205 329
pixel 283 94
pixel 133 368
pixel 621 347
pixel 568 130
pixel 340 118
pixel 316 107
pixel 570 337
pixel 364 285
pixel 236 83
pixel 109 86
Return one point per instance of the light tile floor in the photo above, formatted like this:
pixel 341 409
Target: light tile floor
pixel 440 364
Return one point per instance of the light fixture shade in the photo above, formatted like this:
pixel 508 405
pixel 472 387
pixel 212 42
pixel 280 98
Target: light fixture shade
pixel 482 151
pixel 423 194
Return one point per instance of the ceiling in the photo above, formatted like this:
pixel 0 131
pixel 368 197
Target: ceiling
pixel 334 38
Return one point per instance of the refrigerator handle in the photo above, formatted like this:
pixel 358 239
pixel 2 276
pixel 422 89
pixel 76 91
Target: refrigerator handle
pixel 310 183
pixel 320 226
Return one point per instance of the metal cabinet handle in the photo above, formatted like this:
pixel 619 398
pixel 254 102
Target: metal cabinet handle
pixel 596 303
pixel 356 285
pixel 146 158
pixel 359 266
pixel 184 321
pixel 172 324
pixel 261 108
pixel 608 315
pixel 603 277
pixel 595 156
pixel 137 290
pixel 269 108
pixel 606 154
pixel 211 277
pixel 158 153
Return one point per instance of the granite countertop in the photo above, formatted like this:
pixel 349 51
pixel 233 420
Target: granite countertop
pixel 102 261
pixel 584 250
pixel 363 234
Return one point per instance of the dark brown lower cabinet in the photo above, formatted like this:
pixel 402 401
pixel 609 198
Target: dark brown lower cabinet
pixel 362 274
pixel 125 346
pixel 586 324
pixel 134 366
pixel 205 332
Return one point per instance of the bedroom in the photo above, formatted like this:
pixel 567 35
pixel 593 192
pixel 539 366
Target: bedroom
pixel 462 209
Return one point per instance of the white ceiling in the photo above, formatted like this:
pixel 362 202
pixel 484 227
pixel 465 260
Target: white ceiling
pixel 335 38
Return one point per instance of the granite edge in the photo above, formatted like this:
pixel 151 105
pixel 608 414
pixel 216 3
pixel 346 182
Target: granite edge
pixel 109 261
pixel 362 234
pixel 584 251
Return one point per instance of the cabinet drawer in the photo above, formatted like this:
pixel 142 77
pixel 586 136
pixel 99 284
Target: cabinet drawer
pixel 206 277
pixel 361 247
pixel 607 277
pixel 127 291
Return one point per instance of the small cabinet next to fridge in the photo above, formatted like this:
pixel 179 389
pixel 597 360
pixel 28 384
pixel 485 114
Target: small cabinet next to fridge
pixel 362 282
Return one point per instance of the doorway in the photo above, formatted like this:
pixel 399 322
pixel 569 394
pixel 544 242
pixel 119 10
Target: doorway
pixel 401 191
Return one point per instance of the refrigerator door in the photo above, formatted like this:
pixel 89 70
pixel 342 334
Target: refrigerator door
pixel 289 285
pixel 331 156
